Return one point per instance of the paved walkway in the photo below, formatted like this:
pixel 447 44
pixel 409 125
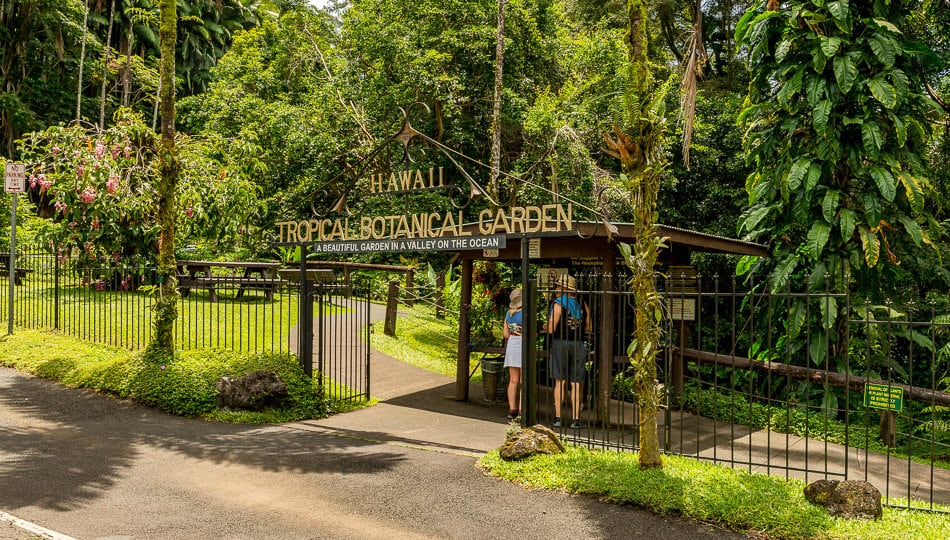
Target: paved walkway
pixel 418 408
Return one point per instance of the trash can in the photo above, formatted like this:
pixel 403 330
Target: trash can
pixel 494 380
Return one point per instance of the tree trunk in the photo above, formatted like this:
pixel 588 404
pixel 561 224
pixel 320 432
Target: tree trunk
pixel 496 106
pixel 166 307
pixel 643 166
pixel 105 68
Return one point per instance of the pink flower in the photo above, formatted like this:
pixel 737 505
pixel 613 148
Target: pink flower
pixel 100 149
pixel 100 286
pixel 55 151
pixel 116 256
pixel 189 212
pixel 128 152
pixel 59 207
pixel 79 170
pixel 113 183
pixel 32 181
pixel 95 224
pixel 115 151
pixel 88 195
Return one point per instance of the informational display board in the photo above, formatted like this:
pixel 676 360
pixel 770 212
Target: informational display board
pixel 883 396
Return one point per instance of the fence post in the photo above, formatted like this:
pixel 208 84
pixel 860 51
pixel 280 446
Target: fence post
pixel 410 288
pixel 440 296
pixel 392 301
pixel 305 338
pixel 56 290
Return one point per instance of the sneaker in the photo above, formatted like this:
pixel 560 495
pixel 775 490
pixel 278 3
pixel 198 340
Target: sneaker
pixel 557 421
pixel 578 424
pixel 512 415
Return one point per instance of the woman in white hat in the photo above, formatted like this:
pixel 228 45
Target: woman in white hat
pixel 513 324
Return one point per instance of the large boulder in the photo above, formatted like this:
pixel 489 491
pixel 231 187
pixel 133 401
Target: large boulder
pixel 529 441
pixel 255 391
pixel 851 499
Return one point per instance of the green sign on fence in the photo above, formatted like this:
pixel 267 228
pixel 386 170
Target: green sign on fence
pixel 883 396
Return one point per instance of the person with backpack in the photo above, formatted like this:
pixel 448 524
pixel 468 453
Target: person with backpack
pixel 568 321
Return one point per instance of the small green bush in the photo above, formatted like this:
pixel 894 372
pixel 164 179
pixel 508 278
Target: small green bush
pixel 183 384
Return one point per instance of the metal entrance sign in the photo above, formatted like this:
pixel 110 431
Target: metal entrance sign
pixel 883 396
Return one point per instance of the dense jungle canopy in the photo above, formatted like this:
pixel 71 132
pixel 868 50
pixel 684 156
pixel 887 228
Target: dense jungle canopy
pixel 818 128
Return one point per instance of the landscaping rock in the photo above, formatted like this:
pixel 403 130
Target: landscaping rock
pixel 255 391
pixel 536 439
pixel 851 499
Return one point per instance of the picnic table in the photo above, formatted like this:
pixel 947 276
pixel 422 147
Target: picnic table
pixel 18 273
pixel 261 275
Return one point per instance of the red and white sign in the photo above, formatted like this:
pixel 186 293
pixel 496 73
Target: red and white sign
pixel 15 178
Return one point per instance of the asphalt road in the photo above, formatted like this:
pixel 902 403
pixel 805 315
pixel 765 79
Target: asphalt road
pixel 88 466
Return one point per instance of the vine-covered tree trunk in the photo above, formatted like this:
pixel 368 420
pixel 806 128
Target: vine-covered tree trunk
pixel 166 306
pixel 642 162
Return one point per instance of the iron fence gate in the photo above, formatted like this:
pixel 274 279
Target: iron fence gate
pixel 865 398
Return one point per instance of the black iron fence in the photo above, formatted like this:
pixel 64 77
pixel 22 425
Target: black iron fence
pixel 222 306
pixel 802 385
pixel 112 305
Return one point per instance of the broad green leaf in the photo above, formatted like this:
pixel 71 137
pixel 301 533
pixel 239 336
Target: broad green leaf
pixel 829 205
pixel 872 208
pixel 888 25
pixel 820 115
pixel 817 348
pixel 796 318
pixel 845 73
pixel 813 176
pixel 913 229
pixel 899 130
pixel 829 312
pixel 752 219
pixel 913 191
pixel 782 271
pixel 871 246
pixel 883 49
pixel 839 10
pixel 790 87
pixel 818 60
pixel 846 222
pixel 829 45
pixel 818 237
pixel 782 50
pixel 883 92
pixel 818 277
pixel 745 264
pixel 795 175
pixel 815 88
pixel 872 138
pixel 885 183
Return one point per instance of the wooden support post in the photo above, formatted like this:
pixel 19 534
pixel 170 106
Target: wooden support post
pixel 461 370
pixel 410 288
pixel 392 303
pixel 440 296
pixel 605 341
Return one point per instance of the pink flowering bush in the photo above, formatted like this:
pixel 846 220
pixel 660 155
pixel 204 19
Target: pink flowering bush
pixel 97 186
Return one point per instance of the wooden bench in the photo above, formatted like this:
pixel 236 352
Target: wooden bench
pixel 18 273
pixel 197 274
pixel 211 283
